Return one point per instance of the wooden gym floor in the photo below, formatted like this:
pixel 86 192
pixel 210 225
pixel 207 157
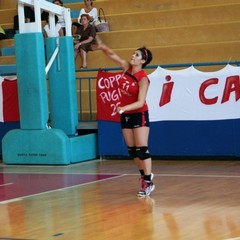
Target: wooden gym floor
pixel 96 200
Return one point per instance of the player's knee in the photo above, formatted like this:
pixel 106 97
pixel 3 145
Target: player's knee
pixel 132 152
pixel 142 153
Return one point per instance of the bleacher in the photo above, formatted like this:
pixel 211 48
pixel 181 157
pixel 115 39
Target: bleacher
pixel 176 31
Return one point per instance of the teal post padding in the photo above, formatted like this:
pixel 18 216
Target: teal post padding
pixel 34 143
pixel 32 88
pixel 63 103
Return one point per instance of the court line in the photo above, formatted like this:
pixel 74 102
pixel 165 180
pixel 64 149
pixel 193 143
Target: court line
pixel 5 184
pixel 4 165
pixel 197 175
pixel 120 175
pixel 191 175
pixel 10 201
pixel 63 173
pixel 59 189
pixel 133 174
pixel 237 238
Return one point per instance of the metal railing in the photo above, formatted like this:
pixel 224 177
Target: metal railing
pixel 87 106
pixel 89 114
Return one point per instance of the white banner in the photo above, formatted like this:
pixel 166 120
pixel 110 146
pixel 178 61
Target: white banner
pixel 190 94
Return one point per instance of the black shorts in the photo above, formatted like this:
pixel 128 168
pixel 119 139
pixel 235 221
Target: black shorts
pixel 135 120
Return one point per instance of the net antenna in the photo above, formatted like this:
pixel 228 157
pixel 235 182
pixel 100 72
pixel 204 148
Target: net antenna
pixel 33 27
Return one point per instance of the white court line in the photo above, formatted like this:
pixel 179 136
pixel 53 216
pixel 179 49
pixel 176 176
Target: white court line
pixel 237 238
pixel 191 175
pixel 122 175
pixel 6 184
pixel 197 175
pixel 3 165
pixel 134 174
pixel 65 173
pixel 11 200
pixel 59 189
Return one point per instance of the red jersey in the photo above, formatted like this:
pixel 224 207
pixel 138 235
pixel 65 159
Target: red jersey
pixel 129 87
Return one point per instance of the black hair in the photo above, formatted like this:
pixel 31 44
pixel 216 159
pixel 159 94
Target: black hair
pixel 60 1
pixel 76 24
pixel 146 55
pixel 56 19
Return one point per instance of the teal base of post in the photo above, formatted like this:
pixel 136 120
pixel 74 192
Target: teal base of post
pixel 47 147
pixel 84 147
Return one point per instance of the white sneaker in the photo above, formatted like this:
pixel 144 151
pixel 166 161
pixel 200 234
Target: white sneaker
pixel 141 180
pixel 147 189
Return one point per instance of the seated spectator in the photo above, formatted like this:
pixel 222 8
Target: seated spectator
pixel 61 20
pixel 75 30
pixel 58 29
pixel 90 10
pixel 29 17
pixel 2 33
pixel 87 40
